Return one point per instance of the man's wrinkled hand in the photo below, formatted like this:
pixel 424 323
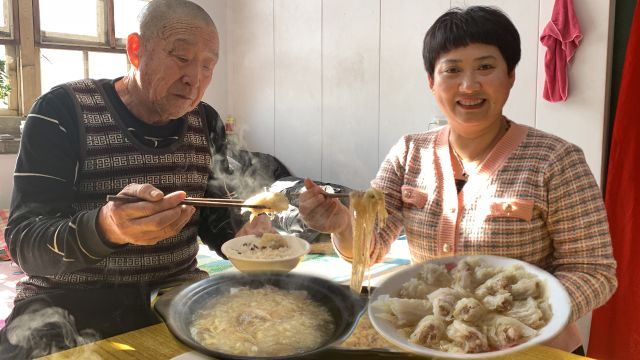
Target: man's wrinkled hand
pixel 146 222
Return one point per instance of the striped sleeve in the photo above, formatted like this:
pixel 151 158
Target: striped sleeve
pixel 389 181
pixel 577 222
pixel 44 231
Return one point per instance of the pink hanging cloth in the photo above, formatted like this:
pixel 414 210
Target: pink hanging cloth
pixel 561 37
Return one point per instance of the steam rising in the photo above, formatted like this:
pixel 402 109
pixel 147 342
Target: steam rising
pixel 43 331
pixel 251 172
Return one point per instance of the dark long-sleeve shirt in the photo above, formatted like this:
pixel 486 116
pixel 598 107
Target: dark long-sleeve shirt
pixel 44 185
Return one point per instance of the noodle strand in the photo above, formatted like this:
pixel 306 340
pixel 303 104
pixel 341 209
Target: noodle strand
pixel 366 207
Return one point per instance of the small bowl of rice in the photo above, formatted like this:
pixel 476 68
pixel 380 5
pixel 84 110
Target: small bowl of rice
pixel 269 252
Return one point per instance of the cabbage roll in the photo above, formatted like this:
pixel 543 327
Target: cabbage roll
pixel 504 332
pixel 471 272
pixel 444 301
pixel 436 275
pixel 383 305
pixel 527 312
pixel 501 302
pixel 402 312
pixel 451 347
pixel 500 282
pixel 416 289
pixel 545 307
pixel 429 332
pixel 464 275
pixel 469 310
pixel 469 338
pixel 526 287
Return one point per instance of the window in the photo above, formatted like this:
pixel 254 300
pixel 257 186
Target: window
pixel 92 45
pixel 6 19
pixel 8 68
pixel 59 41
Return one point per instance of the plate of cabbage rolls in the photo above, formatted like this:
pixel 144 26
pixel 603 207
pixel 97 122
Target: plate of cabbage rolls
pixel 469 307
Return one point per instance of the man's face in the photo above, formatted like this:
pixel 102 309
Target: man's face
pixel 176 67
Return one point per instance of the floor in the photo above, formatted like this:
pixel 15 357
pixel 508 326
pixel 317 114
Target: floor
pixel 10 274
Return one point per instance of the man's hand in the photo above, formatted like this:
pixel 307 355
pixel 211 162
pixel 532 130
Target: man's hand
pixel 322 213
pixel 145 222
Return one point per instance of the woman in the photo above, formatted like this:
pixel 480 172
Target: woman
pixel 485 184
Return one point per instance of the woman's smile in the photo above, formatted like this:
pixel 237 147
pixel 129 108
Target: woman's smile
pixel 471 103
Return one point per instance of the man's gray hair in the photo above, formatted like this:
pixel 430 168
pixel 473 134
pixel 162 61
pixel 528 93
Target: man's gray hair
pixel 158 13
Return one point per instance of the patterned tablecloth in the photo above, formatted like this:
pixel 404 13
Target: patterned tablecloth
pixel 329 266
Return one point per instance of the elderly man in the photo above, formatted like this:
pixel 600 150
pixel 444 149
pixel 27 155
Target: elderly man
pixel 147 135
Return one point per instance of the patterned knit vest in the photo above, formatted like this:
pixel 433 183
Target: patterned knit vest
pixel 114 158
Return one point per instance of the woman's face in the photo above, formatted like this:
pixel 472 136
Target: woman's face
pixel 471 85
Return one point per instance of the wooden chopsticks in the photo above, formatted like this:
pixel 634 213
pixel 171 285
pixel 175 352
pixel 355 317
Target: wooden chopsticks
pixel 205 202
pixel 341 195
pixel 328 195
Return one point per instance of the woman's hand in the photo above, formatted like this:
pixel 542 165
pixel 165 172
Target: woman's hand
pixel 144 222
pixel 322 213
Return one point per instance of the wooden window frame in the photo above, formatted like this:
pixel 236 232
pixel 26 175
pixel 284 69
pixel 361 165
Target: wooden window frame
pixel 11 40
pixel 106 29
pixel 13 36
pixel 26 40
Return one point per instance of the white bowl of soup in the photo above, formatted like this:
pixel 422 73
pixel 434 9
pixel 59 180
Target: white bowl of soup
pixel 269 252
pixel 469 307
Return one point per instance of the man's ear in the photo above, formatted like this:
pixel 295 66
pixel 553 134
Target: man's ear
pixel 430 80
pixel 133 49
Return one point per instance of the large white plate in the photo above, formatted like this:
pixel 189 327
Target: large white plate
pixel 557 296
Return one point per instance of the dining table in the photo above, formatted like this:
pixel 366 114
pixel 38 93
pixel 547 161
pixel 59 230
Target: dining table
pixel 156 342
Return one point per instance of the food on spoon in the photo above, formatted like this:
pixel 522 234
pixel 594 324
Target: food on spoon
pixel 274 202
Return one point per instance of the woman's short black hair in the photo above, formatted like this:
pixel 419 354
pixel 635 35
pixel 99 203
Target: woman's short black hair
pixel 476 24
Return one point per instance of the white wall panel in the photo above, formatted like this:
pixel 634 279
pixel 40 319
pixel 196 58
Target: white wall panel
pixel 251 72
pixel 217 95
pixel 581 118
pixel 406 104
pixel 350 91
pixel 298 86
pixel 521 106
pixel 7 166
pixel 372 86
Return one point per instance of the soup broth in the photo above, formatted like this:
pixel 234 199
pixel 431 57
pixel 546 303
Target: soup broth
pixel 262 322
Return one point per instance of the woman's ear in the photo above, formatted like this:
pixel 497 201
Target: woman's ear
pixel 512 77
pixel 133 49
pixel 430 80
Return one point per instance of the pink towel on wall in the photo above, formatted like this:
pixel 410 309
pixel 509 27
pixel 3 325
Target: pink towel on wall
pixel 561 37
